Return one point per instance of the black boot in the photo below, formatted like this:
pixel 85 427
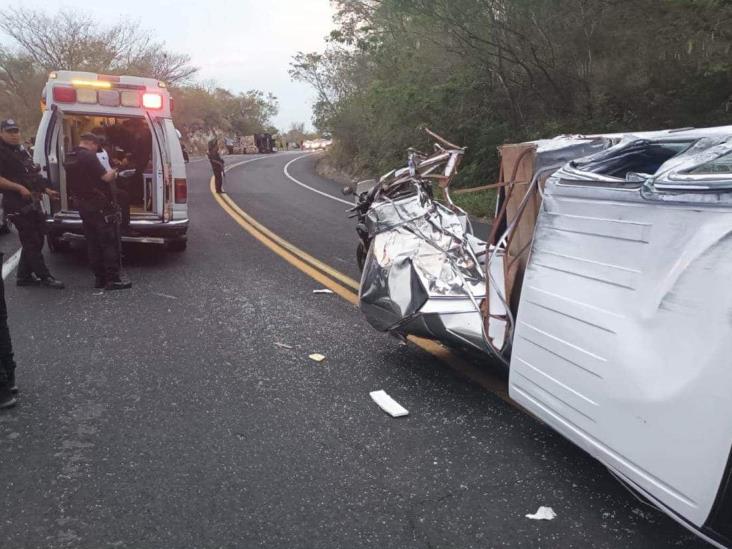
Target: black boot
pixel 100 282
pixel 7 400
pixel 50 282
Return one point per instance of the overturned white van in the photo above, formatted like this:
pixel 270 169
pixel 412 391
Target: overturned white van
pixel 603 287
pixel 133 114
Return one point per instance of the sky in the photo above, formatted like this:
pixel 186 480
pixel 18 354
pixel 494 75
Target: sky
pixel 239 44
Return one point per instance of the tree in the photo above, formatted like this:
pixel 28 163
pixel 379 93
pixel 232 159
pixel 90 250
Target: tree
pixel 74 41
pixel 484 72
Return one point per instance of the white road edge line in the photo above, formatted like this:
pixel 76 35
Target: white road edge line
pixel 12 262
pixel 287 174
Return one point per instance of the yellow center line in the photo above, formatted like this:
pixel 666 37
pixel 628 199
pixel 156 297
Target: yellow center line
pixel 291 247
pixel 317 270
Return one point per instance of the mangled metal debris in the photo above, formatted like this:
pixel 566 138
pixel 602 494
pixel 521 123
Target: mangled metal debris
pixel 424 271
pixel 603 286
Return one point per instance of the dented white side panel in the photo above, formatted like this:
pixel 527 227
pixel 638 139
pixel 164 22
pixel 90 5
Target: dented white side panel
pixel 623 340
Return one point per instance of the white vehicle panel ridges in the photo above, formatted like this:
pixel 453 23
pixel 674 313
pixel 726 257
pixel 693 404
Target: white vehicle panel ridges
pixel 623 337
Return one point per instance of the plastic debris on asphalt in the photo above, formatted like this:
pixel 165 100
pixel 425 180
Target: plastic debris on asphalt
pixel 283 345
pixel 317 357
pixel 388 404
pixel 323 291
pixel 544 513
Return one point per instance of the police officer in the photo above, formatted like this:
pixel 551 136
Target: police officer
pixel 217 164
pixel 8 388
pixel 121 197
pixel 92 188
pixel 21 186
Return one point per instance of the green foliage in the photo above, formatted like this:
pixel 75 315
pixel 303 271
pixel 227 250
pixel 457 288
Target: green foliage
pixel 487 72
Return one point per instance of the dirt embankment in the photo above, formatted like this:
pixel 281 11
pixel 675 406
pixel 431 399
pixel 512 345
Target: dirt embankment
pixel 324 168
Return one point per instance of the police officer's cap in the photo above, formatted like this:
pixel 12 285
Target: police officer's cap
pixel 8 124
pixel 92 138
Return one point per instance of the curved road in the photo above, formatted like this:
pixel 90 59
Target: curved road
pixel 186 412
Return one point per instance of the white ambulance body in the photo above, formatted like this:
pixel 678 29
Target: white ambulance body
pixel 123 109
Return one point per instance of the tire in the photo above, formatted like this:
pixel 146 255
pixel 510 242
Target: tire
pixel 177 246
pixel 361 254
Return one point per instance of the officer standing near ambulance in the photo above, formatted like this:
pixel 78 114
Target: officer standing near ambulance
pixel 92 187
pixel 19 182
pixel 217 164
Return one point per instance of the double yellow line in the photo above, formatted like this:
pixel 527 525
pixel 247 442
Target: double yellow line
pixel 347 288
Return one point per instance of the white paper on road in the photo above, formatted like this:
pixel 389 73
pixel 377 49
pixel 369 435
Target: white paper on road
pixel 323 291
pixel 388 404
pixel 283 345
pixel 317 357
pixel 544 513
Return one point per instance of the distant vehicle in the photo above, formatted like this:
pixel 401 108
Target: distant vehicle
pixel 264 142
pixel 127 110
pixel 316 144
pixel 248 144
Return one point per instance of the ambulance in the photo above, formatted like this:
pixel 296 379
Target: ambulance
pixel 133 115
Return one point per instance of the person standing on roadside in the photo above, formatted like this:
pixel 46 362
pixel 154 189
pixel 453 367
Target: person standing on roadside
pixel 217 164
pixel 8 387
pixel 92 187
pixel 21 186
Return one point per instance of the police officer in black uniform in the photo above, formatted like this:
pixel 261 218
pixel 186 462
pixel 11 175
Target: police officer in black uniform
pixel 22 186
pixel 93 190
pixel 8 388
pixel 217 164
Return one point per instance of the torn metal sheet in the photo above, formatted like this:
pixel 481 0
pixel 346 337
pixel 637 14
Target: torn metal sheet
pixel 424 272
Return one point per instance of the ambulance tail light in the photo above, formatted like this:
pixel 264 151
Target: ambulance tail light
pixel 181 191
pixel 64 95
pixel 152 101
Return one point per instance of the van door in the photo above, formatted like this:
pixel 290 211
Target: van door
pixel 55 154
pixel 163 169
pixel 622 339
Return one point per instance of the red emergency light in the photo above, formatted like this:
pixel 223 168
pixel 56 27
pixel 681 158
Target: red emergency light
pixel 152 101
pixel 64 95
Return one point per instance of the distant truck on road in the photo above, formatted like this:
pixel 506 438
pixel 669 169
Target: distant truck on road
pixel 265 143
pixel 262 143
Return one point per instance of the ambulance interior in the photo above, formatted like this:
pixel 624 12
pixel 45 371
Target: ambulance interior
pixel 128 143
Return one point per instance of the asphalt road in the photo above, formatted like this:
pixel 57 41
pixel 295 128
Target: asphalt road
pixel 167 416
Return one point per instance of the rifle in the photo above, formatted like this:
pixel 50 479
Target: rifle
pixel 32 180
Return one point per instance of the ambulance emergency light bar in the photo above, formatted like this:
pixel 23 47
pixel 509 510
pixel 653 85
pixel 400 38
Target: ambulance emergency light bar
pixel 100 92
